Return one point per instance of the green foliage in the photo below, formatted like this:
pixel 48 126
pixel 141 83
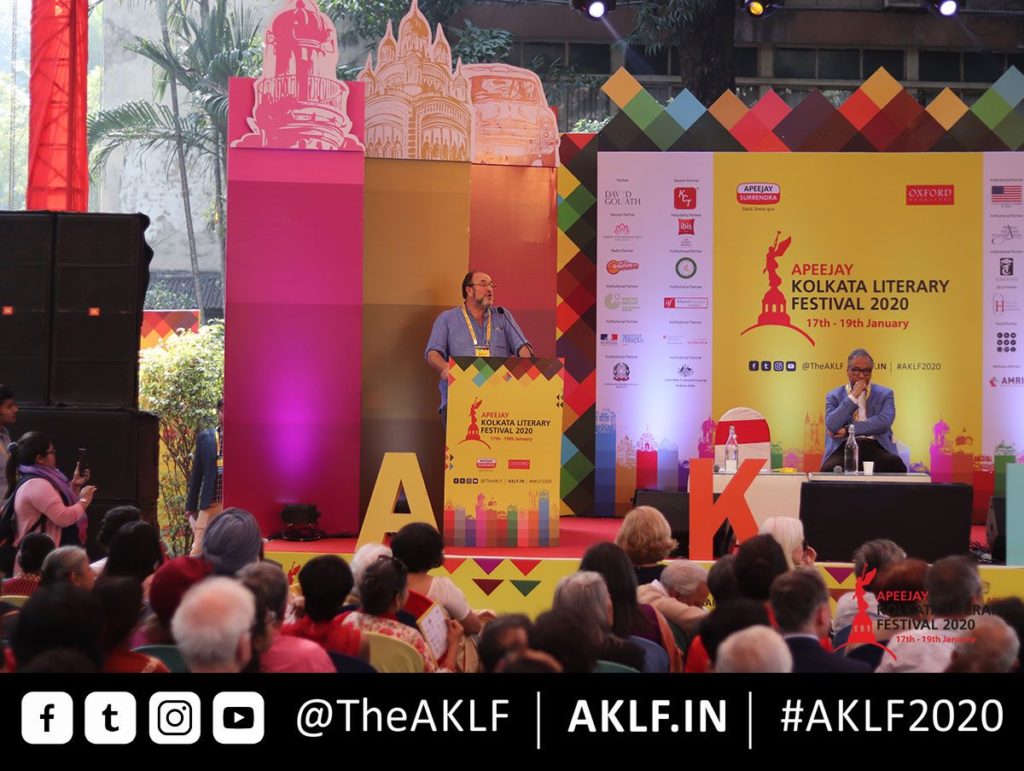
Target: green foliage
pixel 181 381
pixel 477 44
pixel 659 22
pixel 367 19
pixel 589 125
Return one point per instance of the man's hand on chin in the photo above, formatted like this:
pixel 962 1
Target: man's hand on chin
pixel 858 388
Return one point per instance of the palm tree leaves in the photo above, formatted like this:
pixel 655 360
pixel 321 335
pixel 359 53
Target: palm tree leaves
pixel 143 126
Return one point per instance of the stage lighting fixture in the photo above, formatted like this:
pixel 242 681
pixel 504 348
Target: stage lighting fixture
pixel 595 9
pixel 947 7
pixel 761 8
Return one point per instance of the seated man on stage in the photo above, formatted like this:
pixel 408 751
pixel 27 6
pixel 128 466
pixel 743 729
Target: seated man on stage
pixel 473 329
pixel 871 408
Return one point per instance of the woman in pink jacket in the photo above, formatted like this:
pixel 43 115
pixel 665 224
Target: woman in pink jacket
pixel 44 500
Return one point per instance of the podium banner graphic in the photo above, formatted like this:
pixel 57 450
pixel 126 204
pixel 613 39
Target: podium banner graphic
pixel 503 455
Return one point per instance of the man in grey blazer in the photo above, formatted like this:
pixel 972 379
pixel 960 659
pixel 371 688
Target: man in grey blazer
pixel 872 410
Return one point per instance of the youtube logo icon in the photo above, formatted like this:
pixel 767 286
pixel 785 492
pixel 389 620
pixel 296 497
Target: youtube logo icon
pixel 238 717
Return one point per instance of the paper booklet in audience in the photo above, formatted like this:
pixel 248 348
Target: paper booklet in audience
pixel 433 624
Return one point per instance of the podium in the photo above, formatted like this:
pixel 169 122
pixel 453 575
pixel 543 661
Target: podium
pixel 503 452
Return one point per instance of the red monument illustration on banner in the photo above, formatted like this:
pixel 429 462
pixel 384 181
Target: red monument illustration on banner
pixel 300 103
pixel 773 304
pixel 862 630
pixel 419 108
pixel 473 432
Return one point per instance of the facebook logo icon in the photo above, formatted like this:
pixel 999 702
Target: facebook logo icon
pixel 47 717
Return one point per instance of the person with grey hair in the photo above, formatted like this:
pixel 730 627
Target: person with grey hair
pixel 232 541
pixel 365 555
pixel 756 649
pixel 284 653
pixel 955 591
pixel 875 555
pixel 67 564
pixel 584 596
pixel 213 626
pixel 871 409
pixel 992 646
pixel 679 594
pixel 799 601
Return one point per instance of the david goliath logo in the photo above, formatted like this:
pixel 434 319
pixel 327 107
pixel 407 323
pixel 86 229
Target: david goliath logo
pixel 622 229
pixel 773 303
pixel 685 198
pixel 620 372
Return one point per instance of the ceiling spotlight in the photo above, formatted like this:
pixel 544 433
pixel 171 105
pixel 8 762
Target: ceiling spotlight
pixel 761 8
pixel 948 7
pixel 595 9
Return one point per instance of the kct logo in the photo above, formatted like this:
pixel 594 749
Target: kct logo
pixel 930 195
pixel 519 464
pixel 617 266
pixel 686 227
pixel 685 198
pixel 486 463
pixel 761 193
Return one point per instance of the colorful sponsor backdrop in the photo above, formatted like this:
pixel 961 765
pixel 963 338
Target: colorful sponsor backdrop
pixel 654 283
pixel 1003 312
pixel 897 219
pixel 503 460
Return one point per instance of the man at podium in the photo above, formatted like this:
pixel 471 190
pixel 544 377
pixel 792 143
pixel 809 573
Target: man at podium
pixel 872 410
pixel 475 328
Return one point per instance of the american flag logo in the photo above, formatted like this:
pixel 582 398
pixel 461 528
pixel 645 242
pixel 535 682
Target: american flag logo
pixel 1006 193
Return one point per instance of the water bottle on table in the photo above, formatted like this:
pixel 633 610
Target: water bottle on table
pixel 732 452
pixel 851 455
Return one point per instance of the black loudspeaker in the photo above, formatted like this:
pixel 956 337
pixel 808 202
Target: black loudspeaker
pixel 101 273
pixel 26 269
pixel 123 448
pixel 995 528
pixel 929 521
pixel 676 508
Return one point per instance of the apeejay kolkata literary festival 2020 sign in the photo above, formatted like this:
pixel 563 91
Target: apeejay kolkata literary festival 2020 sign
pixel 742 279
pixel 503 460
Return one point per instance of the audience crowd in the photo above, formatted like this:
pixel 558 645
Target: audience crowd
pixel 629 607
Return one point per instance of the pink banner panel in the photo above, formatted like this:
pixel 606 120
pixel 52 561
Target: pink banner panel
pixel 293 346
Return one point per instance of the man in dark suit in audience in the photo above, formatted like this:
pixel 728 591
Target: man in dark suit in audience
pixel 799 601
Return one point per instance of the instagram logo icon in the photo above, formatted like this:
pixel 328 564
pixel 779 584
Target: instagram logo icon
pixel 174 717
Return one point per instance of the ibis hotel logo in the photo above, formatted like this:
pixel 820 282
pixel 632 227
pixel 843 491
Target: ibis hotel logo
pixel 687 226
pixel 758 193
pixel 930 195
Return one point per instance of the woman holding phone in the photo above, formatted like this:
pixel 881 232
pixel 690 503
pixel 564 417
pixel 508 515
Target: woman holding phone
pixel 44 499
